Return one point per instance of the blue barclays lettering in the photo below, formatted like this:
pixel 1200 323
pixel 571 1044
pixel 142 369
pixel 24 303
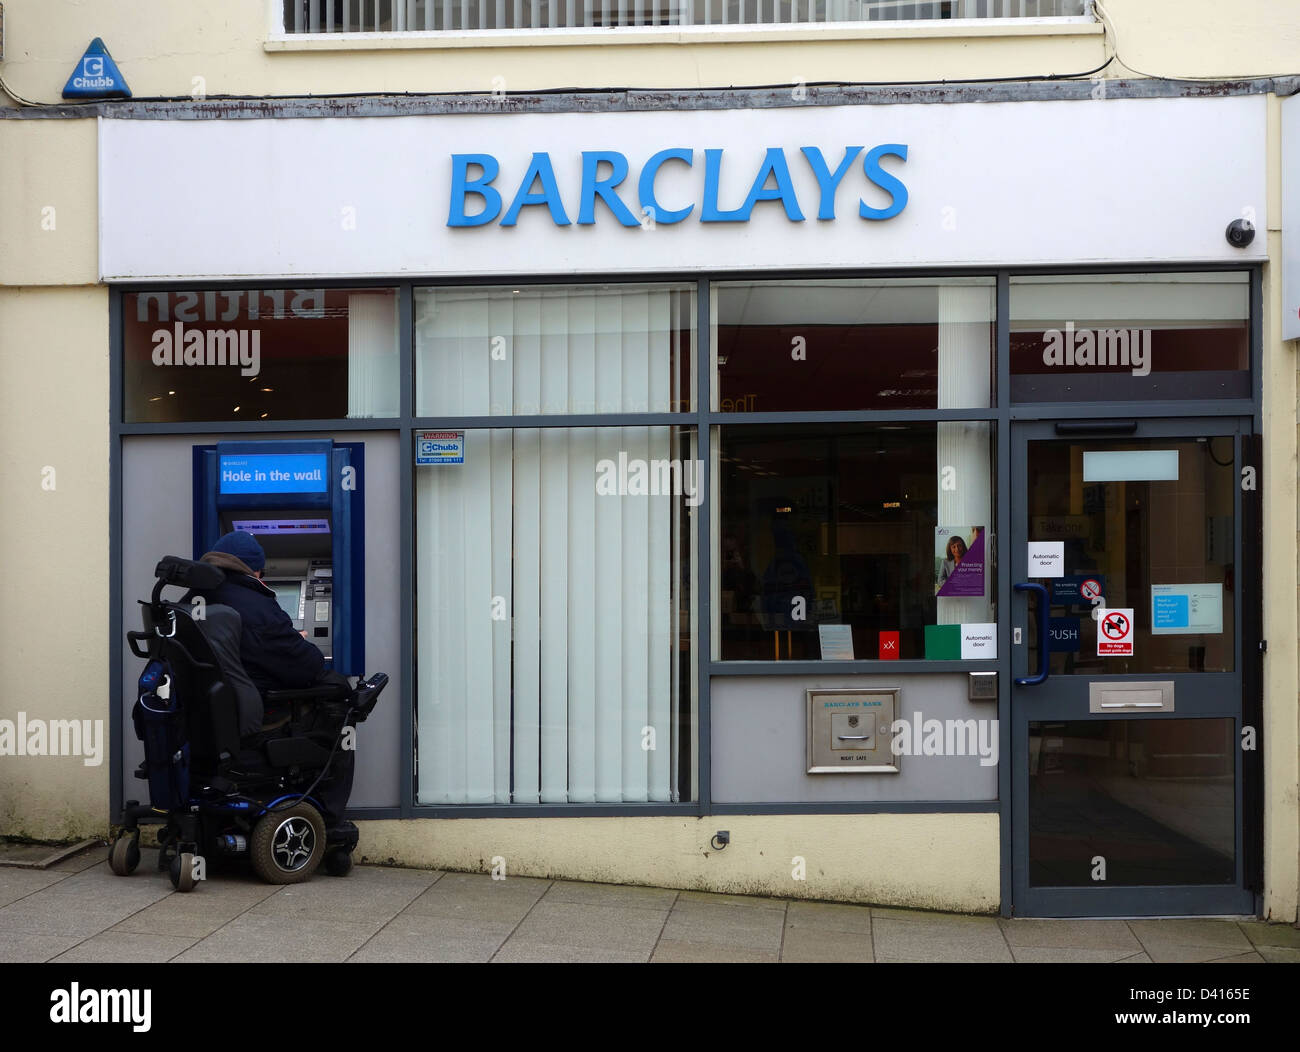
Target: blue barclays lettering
pixel 605 171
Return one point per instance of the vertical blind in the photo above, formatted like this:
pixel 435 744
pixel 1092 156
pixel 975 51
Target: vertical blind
pixel 547 640
pixel 372 355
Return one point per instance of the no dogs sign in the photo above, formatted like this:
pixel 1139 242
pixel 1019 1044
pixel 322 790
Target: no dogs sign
pixel 1115 633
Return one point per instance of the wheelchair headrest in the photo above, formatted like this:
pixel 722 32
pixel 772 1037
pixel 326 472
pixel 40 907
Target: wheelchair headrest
pixel 187 573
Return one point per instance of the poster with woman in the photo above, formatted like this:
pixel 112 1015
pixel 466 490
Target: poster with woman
pixel 959 561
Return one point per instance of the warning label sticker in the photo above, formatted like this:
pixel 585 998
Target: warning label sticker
pixel 1115 633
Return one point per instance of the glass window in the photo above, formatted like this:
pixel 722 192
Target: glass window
pixel 260 354
pixel 881 532
pixel 1154 798
pixel 1146 524
pixel 1103 337
pixel 547 349
pixel 553 613
pixel 853 344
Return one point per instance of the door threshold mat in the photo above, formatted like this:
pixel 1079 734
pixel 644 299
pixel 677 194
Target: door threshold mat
pixel 39 856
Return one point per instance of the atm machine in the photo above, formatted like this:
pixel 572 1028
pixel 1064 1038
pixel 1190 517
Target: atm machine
pixel 304 502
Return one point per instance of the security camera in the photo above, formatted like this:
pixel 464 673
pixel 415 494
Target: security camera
pixel 1240 233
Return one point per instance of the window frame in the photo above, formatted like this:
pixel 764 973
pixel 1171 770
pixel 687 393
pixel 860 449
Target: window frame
pixel 704 420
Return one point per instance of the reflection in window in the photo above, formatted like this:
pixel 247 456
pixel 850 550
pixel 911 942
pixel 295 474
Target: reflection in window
pixel 854 344
pixel 852 524
pixel 1163 546
pixel 1126 335
pixel 259 354
pixel 1153 798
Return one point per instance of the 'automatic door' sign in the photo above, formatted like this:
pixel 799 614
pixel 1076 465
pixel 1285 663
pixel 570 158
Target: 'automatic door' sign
pixel 1115 633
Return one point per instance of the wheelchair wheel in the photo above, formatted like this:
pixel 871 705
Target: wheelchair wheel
pixel 181 871
pixel 124 855
pixel 338 862
pixel 287 846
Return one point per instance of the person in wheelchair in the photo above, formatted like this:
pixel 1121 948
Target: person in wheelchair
pixel 273 653
pixel 228 782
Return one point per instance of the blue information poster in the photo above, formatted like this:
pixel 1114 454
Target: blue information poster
pixel 1186 609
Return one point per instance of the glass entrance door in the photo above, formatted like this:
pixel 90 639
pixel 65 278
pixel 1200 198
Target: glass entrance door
pixel 1126 656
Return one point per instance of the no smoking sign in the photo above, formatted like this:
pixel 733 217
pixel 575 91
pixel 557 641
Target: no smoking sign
pixel 1115 633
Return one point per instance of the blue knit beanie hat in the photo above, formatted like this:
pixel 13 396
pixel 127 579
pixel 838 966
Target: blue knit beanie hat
pixel 244 547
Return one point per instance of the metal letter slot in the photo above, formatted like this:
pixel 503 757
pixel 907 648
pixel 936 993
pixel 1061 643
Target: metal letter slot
pixel 1131 697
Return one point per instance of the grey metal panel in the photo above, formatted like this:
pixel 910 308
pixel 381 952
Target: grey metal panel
pixel 841 668
pixel 115 627
pixel 1055 411
pixel 188 427
pixel 861 807
pixel 1117 387
pixel 703 643
pixel 406 529
pixel 378 779
pixel 762 723
pixel 616 99
pixel 157 516
pixel 1005 486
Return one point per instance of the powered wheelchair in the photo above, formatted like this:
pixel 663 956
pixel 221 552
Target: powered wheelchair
pixel 274 793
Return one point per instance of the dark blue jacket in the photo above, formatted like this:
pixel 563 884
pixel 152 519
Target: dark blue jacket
pixel 270 648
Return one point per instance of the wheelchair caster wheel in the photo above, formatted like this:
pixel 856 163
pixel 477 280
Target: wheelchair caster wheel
pixel 338 862
pixel 181 871
pixel 124 855
pixel 287 846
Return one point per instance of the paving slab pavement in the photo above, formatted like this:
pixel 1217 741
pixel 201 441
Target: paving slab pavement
pixel 78 911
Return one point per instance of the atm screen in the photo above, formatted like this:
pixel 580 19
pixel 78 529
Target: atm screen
pixel 287 594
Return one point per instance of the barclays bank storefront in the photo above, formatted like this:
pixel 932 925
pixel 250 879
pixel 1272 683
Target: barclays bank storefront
pixel 836 499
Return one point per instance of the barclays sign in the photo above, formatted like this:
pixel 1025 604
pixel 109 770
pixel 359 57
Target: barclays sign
pixel 475 175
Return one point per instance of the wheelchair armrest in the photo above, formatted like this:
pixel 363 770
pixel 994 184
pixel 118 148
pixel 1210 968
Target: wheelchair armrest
pixel 367 694
pixel 324 692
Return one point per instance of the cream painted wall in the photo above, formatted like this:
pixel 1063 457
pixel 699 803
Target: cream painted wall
pixel 54 540
pixel 1206 38
pixel 927 861
pixel 48 202
pixel 161 46
pixel 1281 736
pixel 53 413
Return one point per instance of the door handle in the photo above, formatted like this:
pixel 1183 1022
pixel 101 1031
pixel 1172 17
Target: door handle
pixel 1044 638
pixel 858 737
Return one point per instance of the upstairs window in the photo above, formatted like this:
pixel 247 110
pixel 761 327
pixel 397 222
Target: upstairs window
pixel 414 16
